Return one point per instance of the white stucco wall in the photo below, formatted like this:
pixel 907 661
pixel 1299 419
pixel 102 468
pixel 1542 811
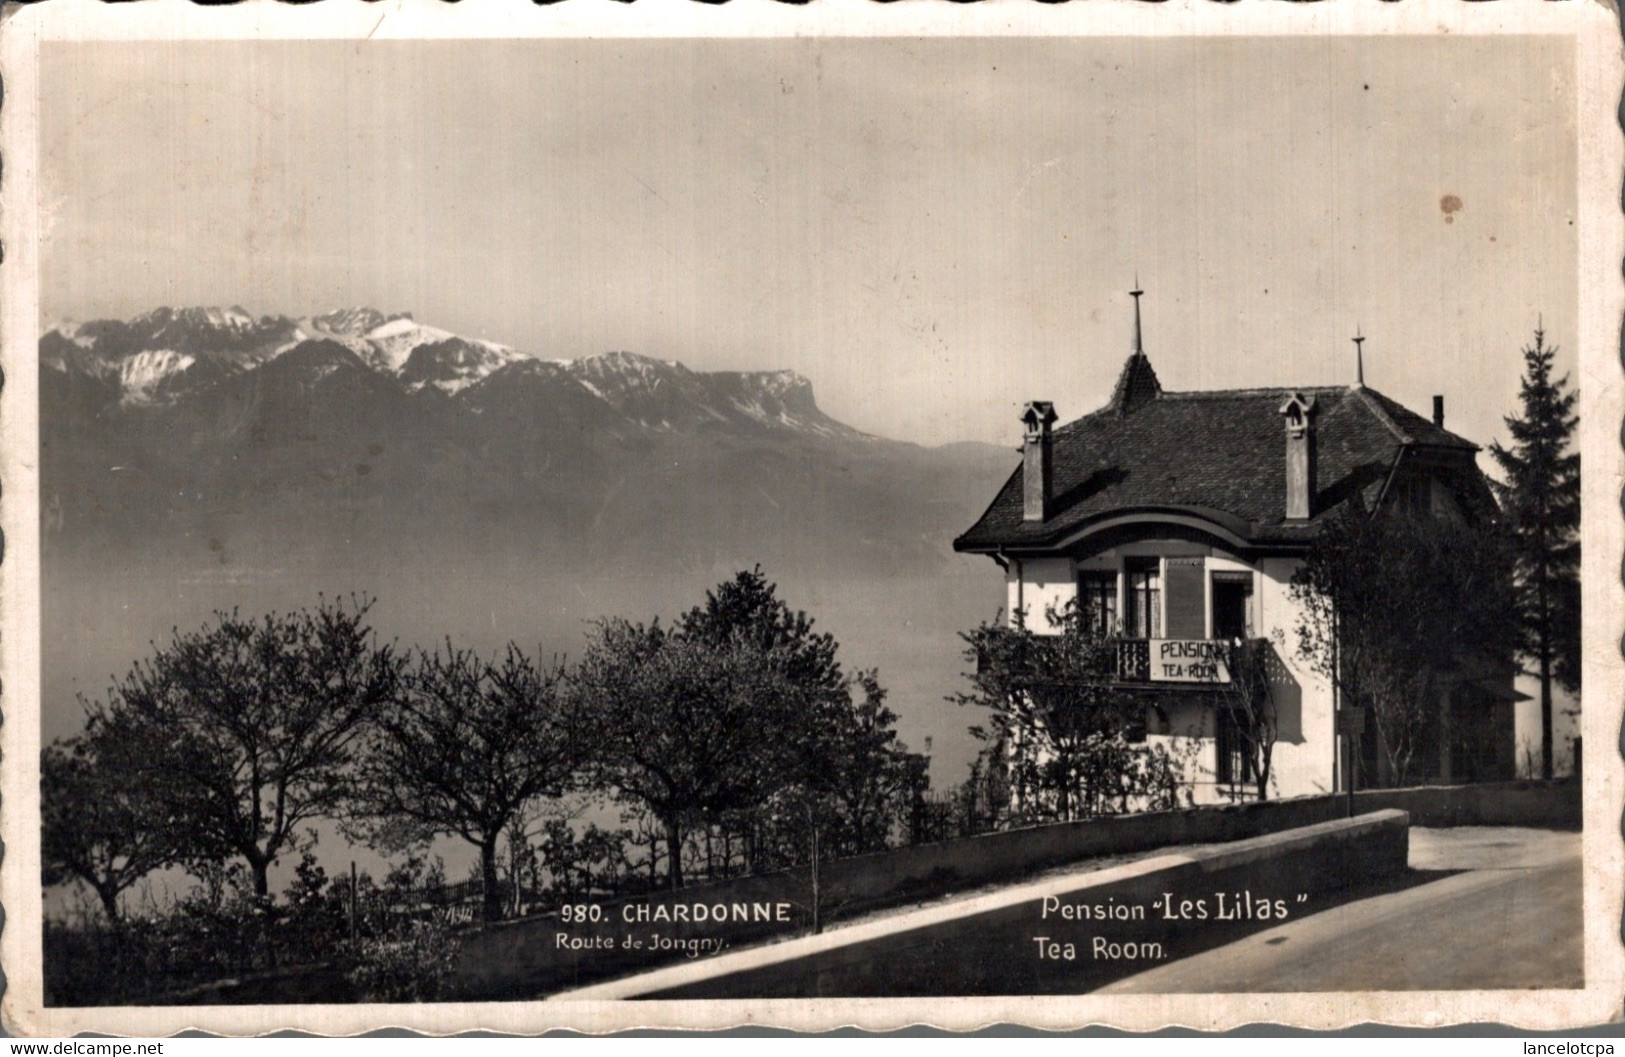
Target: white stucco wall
pixel 1039 584
pixel 1191 741
pixel 1304 758
pixel 1306 754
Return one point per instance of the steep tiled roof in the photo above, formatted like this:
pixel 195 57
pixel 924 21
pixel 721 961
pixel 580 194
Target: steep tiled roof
pixel 1221 454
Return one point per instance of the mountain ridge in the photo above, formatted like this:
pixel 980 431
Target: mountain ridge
pixel 278 429
pixel 162 356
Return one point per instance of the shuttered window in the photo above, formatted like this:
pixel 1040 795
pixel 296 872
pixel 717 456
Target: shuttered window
pixel 1187 599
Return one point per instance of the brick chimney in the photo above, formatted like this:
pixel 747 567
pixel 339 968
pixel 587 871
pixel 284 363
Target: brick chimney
pixel 1036 459
pixel 1438 411
pixel 1299 414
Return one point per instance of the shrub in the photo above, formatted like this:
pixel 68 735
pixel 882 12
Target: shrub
pixel 408 964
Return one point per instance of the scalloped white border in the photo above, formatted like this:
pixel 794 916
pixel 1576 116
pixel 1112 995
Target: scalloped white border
pixel 1600 73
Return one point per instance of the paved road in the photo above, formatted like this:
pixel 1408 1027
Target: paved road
pixel 1507 916
pixel 1479 908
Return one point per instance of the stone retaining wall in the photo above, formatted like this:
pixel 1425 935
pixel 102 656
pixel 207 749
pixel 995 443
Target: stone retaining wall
pixel 523 959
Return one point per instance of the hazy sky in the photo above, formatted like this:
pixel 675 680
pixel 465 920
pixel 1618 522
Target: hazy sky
pixel 932 231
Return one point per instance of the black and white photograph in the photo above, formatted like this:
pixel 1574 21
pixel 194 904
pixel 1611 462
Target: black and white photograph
pixel 1056 516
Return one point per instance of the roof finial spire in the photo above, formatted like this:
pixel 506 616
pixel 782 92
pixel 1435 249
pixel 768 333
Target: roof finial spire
pixel 1359 358
pixel 1138 384
pixel 1136 293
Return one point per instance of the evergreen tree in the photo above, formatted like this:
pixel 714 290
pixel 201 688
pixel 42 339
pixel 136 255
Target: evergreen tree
pixel 749 608
pixel 740 713
pixel 1540 500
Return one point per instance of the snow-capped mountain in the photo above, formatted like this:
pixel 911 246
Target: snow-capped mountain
pixel 394 342
pixel 302 436
pixel 353 322
pixel 228 337
pixel 145 377
pixel 427 356
pixel 168 355
pixel 664 395
pixel 233 341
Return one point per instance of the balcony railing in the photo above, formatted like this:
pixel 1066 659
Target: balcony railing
pixel 1191 662
pixel 1170 662
pixel 1134 660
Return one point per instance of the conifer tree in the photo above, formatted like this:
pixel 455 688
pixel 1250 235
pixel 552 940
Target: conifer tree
pixel 1540 501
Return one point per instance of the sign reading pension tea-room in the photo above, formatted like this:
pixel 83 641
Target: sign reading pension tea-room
pixel 1189 661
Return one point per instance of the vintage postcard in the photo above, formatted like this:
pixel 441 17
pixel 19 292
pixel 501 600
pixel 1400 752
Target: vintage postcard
pixel 608 515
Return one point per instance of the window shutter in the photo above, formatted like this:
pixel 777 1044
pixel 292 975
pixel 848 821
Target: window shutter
pixel 1187 604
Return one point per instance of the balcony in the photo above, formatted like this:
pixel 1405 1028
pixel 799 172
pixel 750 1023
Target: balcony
pixel 1167 663
pixel 1175 662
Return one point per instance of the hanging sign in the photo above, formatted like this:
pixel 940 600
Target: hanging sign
pixel 1190 661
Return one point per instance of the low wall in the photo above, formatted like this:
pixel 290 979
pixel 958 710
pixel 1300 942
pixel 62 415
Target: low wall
pixel 1020 941
pixel 524 959
pixel 1534 804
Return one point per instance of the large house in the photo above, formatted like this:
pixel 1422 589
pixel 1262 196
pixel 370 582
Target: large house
pixel 1177 520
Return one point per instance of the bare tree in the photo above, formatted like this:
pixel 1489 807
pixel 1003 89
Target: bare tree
pixel 1058 719
pixel 464 748
pixel 1390 604
pixel 256 722
pixel 104 814
pixel 688 726
pixel 1249 698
